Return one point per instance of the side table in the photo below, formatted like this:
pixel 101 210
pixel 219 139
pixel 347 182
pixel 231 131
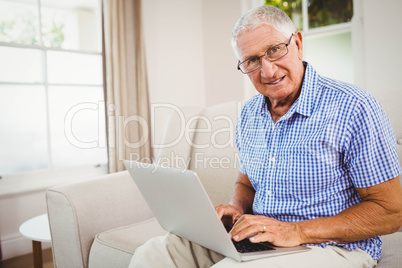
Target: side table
pixel 37 230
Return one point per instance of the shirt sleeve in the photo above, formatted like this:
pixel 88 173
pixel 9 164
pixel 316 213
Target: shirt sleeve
pixel 372 156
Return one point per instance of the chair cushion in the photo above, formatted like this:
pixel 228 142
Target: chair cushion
pixel 115 248
pixel 391 251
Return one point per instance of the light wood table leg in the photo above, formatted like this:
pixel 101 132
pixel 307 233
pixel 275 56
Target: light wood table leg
pixel 37 254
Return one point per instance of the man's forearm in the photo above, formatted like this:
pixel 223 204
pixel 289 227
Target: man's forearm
pixel 374 216
pixel 359 222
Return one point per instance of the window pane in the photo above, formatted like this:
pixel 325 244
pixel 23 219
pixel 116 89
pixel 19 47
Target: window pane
pixel 71 24
pixel 19 22
pixel 328 12
pixel 336 49
pixel 20 65
pixel 74 68
pixel 23 132
pixel 293 8
pixel 77 121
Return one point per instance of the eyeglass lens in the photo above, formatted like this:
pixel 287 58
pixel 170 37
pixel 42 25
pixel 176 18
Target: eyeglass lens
pixel 272 54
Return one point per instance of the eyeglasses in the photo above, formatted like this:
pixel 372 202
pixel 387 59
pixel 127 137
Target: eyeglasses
pixel 272 54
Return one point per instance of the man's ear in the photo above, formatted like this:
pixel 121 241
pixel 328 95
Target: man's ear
pixel 299 43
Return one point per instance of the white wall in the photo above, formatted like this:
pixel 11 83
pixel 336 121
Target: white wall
pixel 377 54
pixel 174 50
pixel 14 210
pixel 189 57
pixel 223 82
pixel 382 44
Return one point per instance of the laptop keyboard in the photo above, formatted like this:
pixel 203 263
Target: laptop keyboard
pixel 246 246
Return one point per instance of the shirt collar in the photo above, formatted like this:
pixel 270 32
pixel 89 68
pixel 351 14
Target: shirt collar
pixel 309 92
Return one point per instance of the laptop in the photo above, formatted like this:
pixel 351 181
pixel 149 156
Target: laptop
pixel 181 205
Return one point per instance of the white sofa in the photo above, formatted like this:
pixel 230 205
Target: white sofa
pixel 100 222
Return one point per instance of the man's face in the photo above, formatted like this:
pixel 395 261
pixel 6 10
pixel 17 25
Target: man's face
pixel 279 80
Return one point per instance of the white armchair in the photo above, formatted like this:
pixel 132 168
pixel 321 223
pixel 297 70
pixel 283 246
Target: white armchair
pixel 100 222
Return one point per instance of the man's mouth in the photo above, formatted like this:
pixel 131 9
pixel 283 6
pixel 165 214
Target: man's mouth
pixel 276 81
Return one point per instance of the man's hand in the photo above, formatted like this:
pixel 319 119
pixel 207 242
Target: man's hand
pixel 240 203
pixel 282 234
pixel 228 214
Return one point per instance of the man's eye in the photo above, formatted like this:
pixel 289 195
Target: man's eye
pixel 252 61
pixel 274 50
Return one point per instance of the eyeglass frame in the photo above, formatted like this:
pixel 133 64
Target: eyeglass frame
pixel 266 56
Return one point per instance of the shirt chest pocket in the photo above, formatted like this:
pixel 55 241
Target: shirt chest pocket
pixel 311 176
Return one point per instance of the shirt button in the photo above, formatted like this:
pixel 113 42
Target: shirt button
pixel 269 192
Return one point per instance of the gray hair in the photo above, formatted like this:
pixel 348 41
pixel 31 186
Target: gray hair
pixel 263 15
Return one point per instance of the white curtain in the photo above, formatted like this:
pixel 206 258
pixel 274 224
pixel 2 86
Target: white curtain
pixel 127 101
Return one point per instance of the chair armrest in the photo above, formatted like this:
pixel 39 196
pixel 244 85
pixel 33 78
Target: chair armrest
pixel 79 211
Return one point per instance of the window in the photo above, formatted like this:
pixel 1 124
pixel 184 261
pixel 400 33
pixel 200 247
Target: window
pixel 51 86
pixel 310 14
pixel 326 26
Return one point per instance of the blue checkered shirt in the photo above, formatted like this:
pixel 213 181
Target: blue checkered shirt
pixel 335 138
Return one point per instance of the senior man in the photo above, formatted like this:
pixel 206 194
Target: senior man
pixel 318 162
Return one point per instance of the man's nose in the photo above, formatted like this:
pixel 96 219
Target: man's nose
pixel 268 67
